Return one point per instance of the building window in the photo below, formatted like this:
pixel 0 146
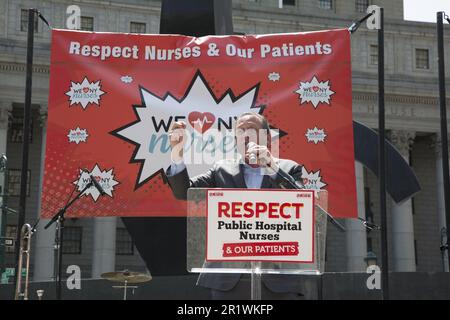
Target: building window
pixel 369 245
pixel 137 27
pixel 24 21
pixel 326 4
pixel 361 5
pixel 14 178
pixel 15 127
pixel 368 205
pixel 422 59
pixel 72 240
pixel 373 55
pixel 124 243
pixel 288 2
pixel 11 232
pixel 87 23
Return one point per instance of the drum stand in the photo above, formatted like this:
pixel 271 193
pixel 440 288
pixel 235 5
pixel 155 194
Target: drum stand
pixel 125 287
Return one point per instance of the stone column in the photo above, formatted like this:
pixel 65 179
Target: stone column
pixel 43 239
pixel 440 193
pixel 5 108
pixel 356 237
pixel 402 216
pixel 104 249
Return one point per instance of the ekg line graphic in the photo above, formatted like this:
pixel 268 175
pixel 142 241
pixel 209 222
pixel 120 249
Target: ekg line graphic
pixel 201 123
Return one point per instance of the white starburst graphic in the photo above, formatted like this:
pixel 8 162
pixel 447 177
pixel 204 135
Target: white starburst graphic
pixel 315 135
pixel 204 114
pixel 274 76
pixel 78 135
pixel 85 92
pixel 103 177
pixel 312 180
pixel 315 92
pixel 126 79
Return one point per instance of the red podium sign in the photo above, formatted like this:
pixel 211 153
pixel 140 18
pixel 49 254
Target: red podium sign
pixel 269 225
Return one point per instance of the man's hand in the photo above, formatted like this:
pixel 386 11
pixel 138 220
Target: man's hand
pixel 177 137
pixel 263 156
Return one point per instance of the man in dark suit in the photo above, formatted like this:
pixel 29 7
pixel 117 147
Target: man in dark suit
pixel 256 168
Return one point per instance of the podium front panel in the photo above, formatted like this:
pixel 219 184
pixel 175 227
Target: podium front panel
pixel 284 231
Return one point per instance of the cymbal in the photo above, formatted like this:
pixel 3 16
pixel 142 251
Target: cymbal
pixel 129 276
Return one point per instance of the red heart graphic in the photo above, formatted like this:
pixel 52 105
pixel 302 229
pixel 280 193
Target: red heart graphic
pixel 201 121
pixel 85 89
pixel 315 88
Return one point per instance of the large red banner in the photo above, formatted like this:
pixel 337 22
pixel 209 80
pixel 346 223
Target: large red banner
pixel 114 96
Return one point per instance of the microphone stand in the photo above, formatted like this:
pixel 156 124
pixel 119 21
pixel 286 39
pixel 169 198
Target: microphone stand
pixel 58 218
pixel 7 209
pixel 293 184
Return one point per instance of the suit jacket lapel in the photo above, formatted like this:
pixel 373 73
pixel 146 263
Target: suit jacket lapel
pixel 238 177
pixel 239 181
pixel 267 182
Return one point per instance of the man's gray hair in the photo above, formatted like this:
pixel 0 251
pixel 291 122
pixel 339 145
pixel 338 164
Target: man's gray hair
pixel 264 122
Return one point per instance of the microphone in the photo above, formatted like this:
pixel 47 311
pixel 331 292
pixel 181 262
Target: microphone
pixel 280 173
pixel 290 180
pixel 252 159
pixel 369 225
pixel 94 182
pixel 97 185
pixel 33 228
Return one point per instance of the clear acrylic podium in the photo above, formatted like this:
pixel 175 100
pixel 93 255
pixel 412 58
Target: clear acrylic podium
pixel 196 244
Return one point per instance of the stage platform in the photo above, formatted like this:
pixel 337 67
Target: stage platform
pixel 333 286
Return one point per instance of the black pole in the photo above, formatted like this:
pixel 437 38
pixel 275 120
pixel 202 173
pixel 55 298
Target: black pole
pixel 442 103
pixel 4 193
pixel 382 161
pixel 59 238
pixel 26 137
pixel 60 257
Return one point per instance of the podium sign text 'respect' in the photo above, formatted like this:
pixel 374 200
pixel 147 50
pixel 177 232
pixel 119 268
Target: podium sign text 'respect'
pixel 260 225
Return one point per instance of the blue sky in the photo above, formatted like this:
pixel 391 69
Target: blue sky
pixel 424 10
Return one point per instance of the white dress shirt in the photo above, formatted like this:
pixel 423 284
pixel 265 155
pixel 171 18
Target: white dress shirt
pixel 253 177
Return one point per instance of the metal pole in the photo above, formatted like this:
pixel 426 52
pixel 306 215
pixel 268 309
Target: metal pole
pixel 56 258
pixel 255 280
pixel 4 202
pixel 382 161
pixel 442 98
pixel 443 248
pixel 60 258
pixel 26 135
